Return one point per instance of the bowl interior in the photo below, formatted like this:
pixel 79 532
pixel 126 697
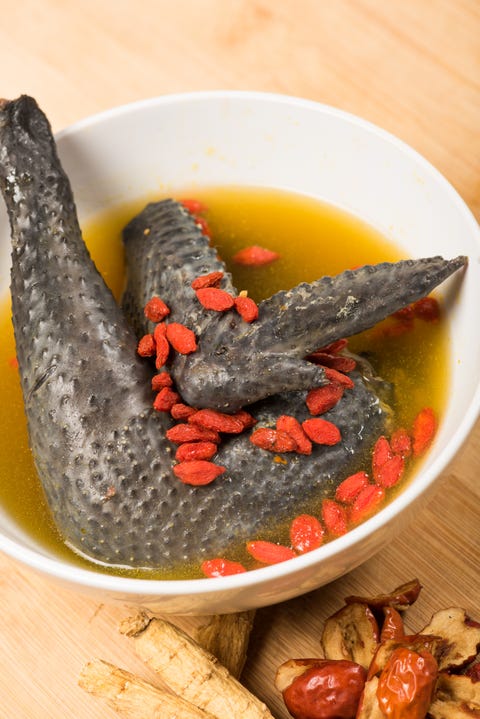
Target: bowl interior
pixel 179 142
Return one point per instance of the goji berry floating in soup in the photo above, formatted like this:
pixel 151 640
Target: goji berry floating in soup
pixel 218 403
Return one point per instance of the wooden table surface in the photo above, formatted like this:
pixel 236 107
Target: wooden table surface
pixel 411 67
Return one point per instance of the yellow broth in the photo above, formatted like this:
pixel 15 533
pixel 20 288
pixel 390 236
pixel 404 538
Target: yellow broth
pixel 313 239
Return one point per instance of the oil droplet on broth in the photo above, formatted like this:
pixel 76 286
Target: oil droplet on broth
pixel 313 239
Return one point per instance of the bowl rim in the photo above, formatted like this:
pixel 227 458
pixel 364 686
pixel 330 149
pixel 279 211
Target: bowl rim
pixel 93 579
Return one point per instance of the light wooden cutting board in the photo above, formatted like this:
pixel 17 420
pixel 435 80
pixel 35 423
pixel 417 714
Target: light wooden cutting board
pixel 411 67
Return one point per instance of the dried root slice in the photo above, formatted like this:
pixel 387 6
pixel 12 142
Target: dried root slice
pixel 133 698
pixel 401 598
pixel 351 633
pixel 190 671
pixel 368 707
pixel 226 636
pixel 456 697
pixel 461 637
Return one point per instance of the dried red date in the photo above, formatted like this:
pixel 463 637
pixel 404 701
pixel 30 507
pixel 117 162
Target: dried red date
pixel 406 684
pixel 325 689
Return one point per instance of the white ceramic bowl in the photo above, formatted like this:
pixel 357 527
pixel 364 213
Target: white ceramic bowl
pixel 269 140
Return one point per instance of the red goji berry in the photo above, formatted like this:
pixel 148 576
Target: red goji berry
pixel 269 552
pixel 165 399
pixel 341 363
pixel 181 338
pixel 246 308
pixel 424 428
pixel 306 533
pixel 348 490
pixel 163 350
pixel 284 442
pixel 322 399
pixel 398 328
pixel 321 431
pixel 245 417
pixel 382 452
pixel 290 425
pixel 193 206
pixel 255 256
pixel 213 298
pixel 390 473
pixel 163 347
pixel 387 467
pixel 189 433
pixel 404 313
pixel 335 347
pixel 273 440
pixel 220 567
pixel 338 362
pixel 203 225
pixel 182 411
pixel 156 310
pixel 160 331
pixel 213 279
pixel 213 419
pixel 13 362
pixel 366 503
pixel 147 346
pixel 195 450
pixel 197 472
pixel 427 309
pixel 320 357
pixel 334 375
pixel 161 380
pixel 401 443
pixel 334 517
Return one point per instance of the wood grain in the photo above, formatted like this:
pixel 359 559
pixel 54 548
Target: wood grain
pixel 413 68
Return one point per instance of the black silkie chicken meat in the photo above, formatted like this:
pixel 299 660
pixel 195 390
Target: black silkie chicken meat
pixel 99 447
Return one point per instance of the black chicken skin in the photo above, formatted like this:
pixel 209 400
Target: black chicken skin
pixel 99 447
pixel 240 363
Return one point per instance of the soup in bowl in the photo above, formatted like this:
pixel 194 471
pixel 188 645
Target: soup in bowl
pixel 280 454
